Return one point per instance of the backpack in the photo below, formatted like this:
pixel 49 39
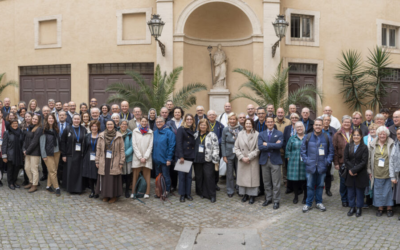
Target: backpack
pixel 161 187
pixel 140 188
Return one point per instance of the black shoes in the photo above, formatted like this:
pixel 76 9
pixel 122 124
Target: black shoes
pixel 295 200
pixel 11 186
pixel 389 213
pixel 91 195
pixel 217 188
pixel 266 203
pixel 189 198
pixel 127 194
pixel 251 201
pixel 358 212
pixel 96 196
pixel 379 213
pixel 230 195
pixel 345 204
pixel 182 199
pixel 245 198
pixel 304 200
pixel 1 184
pixel 50 189
pixel 328 192
pixel 16 185
pixel 276 205
pixel 58 192
pixel 213 199
pixel 351 211
pixel 44 177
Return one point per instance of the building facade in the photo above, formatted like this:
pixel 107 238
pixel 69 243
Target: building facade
pixel 71 50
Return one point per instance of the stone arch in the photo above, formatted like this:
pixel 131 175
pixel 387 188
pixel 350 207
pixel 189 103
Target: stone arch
pixel 255 23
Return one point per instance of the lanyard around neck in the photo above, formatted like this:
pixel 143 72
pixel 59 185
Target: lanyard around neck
pixel 79 133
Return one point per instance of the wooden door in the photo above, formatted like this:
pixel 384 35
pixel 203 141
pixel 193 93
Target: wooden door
pixel 300 80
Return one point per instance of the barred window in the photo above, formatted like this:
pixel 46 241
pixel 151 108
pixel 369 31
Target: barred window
pixel 389 34
pixel 301 27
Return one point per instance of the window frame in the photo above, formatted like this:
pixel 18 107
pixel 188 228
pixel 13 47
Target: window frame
pixel 382 24
pixel 314 29
pixel 301 18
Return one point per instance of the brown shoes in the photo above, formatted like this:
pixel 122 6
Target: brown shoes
pixel 114 199
pixel 28 186
pixel 106 199
pixel 32 189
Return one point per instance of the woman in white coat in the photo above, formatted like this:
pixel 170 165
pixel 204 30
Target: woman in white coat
pixel 142 142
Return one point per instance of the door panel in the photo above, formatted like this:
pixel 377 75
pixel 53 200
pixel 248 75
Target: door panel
pixel 392 99
pixel 42 88
pixel 299 80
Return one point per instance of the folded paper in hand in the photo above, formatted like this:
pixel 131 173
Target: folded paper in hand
pixel 183 167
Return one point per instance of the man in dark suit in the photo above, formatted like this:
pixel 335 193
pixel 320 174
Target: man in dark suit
pixel 170 106
pixel 270 142
pixel 357 123
pixel 292 109
pixel 125 114
pixel 308 123
pixel 386 112
pixel 62 125
pixel 369 115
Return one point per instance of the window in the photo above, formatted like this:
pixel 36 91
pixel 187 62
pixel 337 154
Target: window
pixel 48 32
pixel 301 27
pixel 389 36
pixel 132 26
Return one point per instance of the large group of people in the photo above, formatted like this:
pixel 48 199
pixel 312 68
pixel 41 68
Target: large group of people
pixel 263 150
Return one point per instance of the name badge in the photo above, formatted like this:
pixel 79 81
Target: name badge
pixel 321 151
pixel 1 142
pixel 233 150
pixel 92 156
pixel 381 162
pixel 201 148
pixel 77 147
pixel 109 154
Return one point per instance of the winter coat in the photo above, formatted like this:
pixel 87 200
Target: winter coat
pixel 339 143
pixel 310 153
pixel 31 144
pixel 248 174
pixel 163 145
pixel 357 163
pixel 371 157
pixel 142 148
pixel 117 155
pixel 185 144
pixel 228 142
pixel 394 166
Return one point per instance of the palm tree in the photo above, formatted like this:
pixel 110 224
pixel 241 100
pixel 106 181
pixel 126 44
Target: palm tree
pixel 275 91
pixel 351 75
pixel 157 93
pixel 378 61
pixel 9 83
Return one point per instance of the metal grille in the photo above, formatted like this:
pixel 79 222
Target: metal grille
pixel 121 68
pixel 301 27
pixel 62 69
pixel 393 77
pixel 303 68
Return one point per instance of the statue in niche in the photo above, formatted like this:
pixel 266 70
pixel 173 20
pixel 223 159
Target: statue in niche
pixel 220 61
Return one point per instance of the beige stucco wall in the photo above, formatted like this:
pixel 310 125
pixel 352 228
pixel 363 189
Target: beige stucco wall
pixel 89 35
pixel 344 25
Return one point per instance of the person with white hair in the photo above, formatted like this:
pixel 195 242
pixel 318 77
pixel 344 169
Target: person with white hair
pixel 380 150
pixel 334 121
pixel 216 127
pixel 296 169
pixel 357 123
pixel 369 115
pixel 199 115
pixel 292 109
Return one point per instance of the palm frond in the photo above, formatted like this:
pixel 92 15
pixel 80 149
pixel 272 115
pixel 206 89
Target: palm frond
pixel 9 83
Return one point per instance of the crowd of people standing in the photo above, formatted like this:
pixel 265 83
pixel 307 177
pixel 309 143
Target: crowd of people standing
pixel 262 150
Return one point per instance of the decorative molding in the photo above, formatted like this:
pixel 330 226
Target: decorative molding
pixel 315 27
pixel 120 13
pixel 320 74
pixel 215 42
pixel 379 23
pixel 37 20
pixel 255 23
pixel 272 1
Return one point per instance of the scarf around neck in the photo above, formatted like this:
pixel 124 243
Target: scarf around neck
pixel 109 136
pixel 234 130
pixel 143 130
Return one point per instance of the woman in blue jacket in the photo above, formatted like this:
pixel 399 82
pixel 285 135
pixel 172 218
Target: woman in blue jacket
pixel 185 143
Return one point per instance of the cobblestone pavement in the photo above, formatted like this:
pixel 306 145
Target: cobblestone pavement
pixel 41 220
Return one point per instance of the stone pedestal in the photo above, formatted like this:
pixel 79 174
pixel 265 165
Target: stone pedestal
pixel 218 98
